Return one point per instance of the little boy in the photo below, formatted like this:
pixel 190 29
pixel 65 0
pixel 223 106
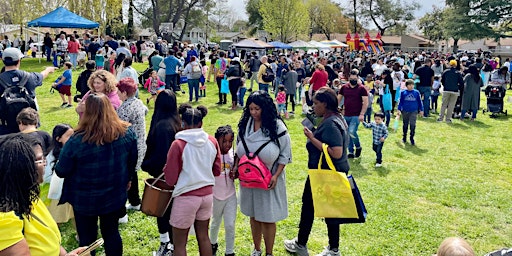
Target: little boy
pixel 380 133
pixel 409 106
pixel 63 85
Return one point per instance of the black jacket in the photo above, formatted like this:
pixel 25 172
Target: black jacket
pixel 452 80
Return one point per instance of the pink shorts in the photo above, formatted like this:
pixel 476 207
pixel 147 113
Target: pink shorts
pixel 187 209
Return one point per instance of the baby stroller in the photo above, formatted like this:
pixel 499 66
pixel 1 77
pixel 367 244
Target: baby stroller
pixel 495 96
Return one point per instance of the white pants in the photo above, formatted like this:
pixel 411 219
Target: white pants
pixel 226 208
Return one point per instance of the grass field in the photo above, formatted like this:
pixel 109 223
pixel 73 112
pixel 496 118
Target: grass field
pixel 455 182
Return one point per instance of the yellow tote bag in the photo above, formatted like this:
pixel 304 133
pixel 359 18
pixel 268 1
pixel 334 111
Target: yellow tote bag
pixel 332 194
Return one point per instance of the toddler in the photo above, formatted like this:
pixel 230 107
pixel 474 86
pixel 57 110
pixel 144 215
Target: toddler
pixel 154 86
pixel 435 94
pixel 380 133
pixel 410 105
pixel 281 101
pixel 99 59
pixel 368 85
pixel 202 80
pixel 224 193
pixel 81 57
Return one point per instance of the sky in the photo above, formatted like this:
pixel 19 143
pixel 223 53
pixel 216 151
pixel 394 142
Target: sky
pixel 426 6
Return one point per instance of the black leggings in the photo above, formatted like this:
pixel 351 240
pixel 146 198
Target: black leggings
pixel 222 96
pixel 234 84
pixel 292 99
pixel 307 217
pixel 87 229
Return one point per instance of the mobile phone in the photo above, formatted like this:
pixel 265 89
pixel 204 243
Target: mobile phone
pixel 92 247
pixel 308 124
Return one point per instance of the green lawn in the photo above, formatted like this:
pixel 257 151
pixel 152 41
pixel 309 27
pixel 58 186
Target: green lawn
pixel 455 182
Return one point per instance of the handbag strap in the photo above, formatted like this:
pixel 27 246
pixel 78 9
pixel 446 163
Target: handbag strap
pixel 327 157
pixel 157 179
pixel 261 147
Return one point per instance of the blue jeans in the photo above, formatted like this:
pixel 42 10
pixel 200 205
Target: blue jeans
pixel 48 53
pixel 241 95
pixel 378 152
pixel 463 113
pixel 72 58
pixel 193 86
pixel 171 82
pixel 353 124
pixel 263 87
pixel 425 91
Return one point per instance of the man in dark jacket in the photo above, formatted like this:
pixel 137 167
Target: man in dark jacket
pixel 452 84
pixel 426 76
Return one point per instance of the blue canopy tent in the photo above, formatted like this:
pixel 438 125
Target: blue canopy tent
pixel 280 45
pixel 62 18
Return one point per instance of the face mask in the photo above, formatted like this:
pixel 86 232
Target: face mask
pixel 353 82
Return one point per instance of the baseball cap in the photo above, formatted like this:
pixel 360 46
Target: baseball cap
pixel 12 54
pixel 453 63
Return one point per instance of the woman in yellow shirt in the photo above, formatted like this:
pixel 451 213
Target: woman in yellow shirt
pixel 26 226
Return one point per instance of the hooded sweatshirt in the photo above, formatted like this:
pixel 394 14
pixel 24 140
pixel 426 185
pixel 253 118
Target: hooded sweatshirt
pixel 192 162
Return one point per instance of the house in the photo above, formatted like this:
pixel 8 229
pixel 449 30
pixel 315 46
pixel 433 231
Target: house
pixel 235 37
pixel 503 46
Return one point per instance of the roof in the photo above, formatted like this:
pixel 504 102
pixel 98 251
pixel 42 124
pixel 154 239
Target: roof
pixel 62 18
pixel 502 42
pixel 228 34
pixel 391 39
pixel 252 43
pixel 280 45
pixel 302 44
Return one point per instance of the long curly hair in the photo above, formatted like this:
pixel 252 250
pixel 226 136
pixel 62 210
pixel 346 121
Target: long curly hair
pixel 18 173
pixel 166 108
pixel 269 114
pixel 108 78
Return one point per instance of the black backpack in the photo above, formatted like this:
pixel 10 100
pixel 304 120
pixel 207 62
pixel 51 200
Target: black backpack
pixel 269 75
pixel 13 100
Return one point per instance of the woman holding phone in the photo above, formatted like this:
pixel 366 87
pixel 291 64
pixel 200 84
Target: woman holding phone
pixel 332 131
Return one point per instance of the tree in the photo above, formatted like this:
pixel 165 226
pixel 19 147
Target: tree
pixel 284 19
pixel 388 13
pixel 172 11
pixel 327 22
pixel 252 8
pixel 482 19
pixel 433 24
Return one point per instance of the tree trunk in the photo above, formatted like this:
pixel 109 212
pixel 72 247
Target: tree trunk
pixel 455 45
pixel 130 21
pixel 155 18
pixel 355 16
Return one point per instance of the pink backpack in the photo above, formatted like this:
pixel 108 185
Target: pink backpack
pixel 252 172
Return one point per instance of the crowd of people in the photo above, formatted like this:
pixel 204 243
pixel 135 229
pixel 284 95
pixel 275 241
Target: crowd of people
pixel 92 168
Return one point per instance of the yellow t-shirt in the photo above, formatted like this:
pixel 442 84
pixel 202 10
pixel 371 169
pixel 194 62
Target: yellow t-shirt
pixel 261 71
pixel 41 232
pixel 369 84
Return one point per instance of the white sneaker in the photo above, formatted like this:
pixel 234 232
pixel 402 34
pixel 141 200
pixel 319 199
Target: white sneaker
pixel 293 247
pixel 124 219
pixel 255 253
pixel 328 252
pixel 378 165
pixel 132 207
